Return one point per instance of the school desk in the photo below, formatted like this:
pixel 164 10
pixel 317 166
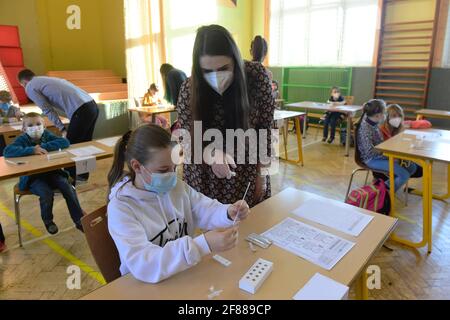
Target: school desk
pixel 290 272
pixel 153 111
pixel 39 163
pixel 286 116
pixel 410 147
pixel 349 111
pixel 430 113
pixel 10 133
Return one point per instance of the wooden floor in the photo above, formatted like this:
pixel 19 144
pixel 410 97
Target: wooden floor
pixel 39 270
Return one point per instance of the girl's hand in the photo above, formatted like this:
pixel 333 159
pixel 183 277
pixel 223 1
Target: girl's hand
pixel 222 240
pixel 243 212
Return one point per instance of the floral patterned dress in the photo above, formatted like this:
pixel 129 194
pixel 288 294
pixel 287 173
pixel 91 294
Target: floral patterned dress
pixel 261 115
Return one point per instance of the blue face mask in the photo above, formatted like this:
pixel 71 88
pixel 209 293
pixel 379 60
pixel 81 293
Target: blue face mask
pixel 161 182
pixel 4 106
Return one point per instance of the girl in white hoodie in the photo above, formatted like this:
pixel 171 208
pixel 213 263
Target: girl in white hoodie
pixel 152 216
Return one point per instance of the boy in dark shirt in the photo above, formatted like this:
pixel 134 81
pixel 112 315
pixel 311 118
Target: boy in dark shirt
pixel 331 118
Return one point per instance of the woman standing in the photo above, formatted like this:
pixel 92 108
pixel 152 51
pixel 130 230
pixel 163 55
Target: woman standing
pixel 224 92
pixel 172 81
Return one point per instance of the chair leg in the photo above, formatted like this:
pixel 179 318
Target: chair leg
pixel 17 213
pixel 351 181
pixel 367 178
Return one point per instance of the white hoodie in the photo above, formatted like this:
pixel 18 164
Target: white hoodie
pixel 154 233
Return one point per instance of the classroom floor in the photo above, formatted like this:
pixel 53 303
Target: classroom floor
pixel 39 270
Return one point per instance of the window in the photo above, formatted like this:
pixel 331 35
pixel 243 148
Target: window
pixel 323 32
pixel 446 54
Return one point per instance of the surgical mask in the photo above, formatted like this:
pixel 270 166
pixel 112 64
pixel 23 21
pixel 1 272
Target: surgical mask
pixel 220 81
pixel 35 132
pixel 395 122
pixel 161 182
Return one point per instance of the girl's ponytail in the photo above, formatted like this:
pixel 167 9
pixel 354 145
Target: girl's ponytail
pixel 116 172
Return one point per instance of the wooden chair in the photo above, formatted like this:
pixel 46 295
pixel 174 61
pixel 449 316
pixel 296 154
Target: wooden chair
pixel 18 194
pixel 364 168
pixel 102 246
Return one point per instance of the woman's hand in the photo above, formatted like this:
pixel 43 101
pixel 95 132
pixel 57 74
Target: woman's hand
pixel 240 210
pixel 260 188
pixel 222 165
pixel 222 240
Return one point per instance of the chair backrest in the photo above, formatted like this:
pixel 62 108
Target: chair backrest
pixel 102 246
pixel 349 100
pixel 358 160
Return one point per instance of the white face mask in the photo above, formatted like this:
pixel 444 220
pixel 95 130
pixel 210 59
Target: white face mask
pixel 395 122
pixel 35 132
pixel 220 81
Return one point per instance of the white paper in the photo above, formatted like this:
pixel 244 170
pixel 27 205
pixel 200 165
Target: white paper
pixel 320 287
pixel 109 142
pixel 341 217
pixel 17 127
pixel 424 135
pixel 314 245
pixel 85 164
pixel 86 151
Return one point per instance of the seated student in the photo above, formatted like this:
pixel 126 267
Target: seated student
pixel 7 109
pixel 36 140
pixel 331 118
pixel 152 216
pixel 394 124
pixel 151 98
pixel 2 240
pixel 369 135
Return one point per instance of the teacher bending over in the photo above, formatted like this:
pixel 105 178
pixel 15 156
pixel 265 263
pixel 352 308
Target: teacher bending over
pixel 224 92
pixel 55 94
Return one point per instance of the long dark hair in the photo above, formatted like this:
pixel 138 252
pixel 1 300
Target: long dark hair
pixel 215 40
pixel 259 49
pixel 371 108
pixel 164 70
pixel 140 144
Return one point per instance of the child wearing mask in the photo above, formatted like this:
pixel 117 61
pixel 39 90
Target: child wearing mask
pixel 152 216
pixel 7 109
pixel 36 140
pixel 369 135
pixel 331 118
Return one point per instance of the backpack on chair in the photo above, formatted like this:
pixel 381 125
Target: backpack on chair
pixel 373 197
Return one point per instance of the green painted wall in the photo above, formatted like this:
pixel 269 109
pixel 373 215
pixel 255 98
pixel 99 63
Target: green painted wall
pixel 48 44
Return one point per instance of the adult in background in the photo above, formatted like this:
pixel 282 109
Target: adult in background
pixel 224 92
pixel 55 94
pixel 172 81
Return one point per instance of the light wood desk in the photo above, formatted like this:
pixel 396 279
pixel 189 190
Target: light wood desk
pixel 40 163
pixel 153 111
pixel 349 111
pixel 430 113
pixel 285 116
pixel 290 272
pixel 411 147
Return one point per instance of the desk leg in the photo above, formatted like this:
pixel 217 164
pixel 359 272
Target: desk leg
pixel 439 197
pixel 299 144
pixel 305 123
pixel 427 203
pixel 362 292
pixel 299 140
pixel 347 138
pixel 285 134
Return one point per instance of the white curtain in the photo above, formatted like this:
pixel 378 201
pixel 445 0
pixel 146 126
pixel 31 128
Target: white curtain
pixel 322 32
pixel 144 48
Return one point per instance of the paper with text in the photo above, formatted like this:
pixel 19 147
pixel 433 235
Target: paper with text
pixel 314 245
pixel 85 164
pixel 86 151
pixel 320 287
pixel 338 216
pixel 109 142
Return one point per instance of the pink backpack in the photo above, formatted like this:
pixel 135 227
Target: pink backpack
pixel 373 197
